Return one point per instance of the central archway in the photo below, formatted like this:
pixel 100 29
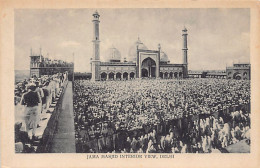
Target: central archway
pixel 148 68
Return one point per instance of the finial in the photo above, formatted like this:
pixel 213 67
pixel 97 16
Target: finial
pixel 184 29
pixel 31 51
pixel 159 46
pixel 96 13
pixel 40 50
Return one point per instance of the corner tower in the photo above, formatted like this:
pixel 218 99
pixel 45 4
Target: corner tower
pixel 185 52
pixel 95 63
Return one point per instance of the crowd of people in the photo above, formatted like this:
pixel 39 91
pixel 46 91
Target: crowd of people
pixel 161 116
pixel 33 98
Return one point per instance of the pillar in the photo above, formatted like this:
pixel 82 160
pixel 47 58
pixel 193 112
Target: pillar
pixel 185 52
pixel 157 73
pixel 96 55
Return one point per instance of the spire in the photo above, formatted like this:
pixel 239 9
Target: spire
pixel 96 15
pixel 184 29
pixel 138 39
pixel 40 50
pixel 31 51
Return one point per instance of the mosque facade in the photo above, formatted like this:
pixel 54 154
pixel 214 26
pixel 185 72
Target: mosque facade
pixel 141 63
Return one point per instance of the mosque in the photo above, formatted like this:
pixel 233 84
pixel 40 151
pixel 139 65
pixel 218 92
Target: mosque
pixel 141 63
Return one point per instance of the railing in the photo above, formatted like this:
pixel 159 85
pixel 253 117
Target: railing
pixel 45 143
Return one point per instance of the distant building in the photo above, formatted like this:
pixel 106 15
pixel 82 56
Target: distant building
pixel 239 71
pixel 82 76
pixel 44 66
pixel 220 74
pixel 141 62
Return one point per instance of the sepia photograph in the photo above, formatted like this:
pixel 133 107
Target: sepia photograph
pixel 132 80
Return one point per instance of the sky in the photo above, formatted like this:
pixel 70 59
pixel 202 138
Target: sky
pixel 216 37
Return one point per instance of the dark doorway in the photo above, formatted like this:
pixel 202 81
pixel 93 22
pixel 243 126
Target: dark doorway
pixel 103 76
pixel 125 75
pixel 118 75
pixel 166 75
pixel 111 75
pixel 161 75
pixel 180 74
pixel 175 75
pixel 148 68
pixel 132 75
pixel 171 75
pixel 144 73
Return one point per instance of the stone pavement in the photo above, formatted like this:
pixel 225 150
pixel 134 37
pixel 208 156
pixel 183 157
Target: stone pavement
pixel 64 138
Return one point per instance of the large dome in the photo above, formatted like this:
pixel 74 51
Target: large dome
pixel 113 55
pixel 132 55
pixel 164 57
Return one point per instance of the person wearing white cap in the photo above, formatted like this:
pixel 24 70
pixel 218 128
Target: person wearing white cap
pixel 31 100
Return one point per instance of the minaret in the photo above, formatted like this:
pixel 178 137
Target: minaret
pixel 185 52
pixel 41 57
pixel 95 63
pixel 158 59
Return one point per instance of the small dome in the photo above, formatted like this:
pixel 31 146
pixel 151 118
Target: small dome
pixel 132 55
pixel 164 57
pixel 113 55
